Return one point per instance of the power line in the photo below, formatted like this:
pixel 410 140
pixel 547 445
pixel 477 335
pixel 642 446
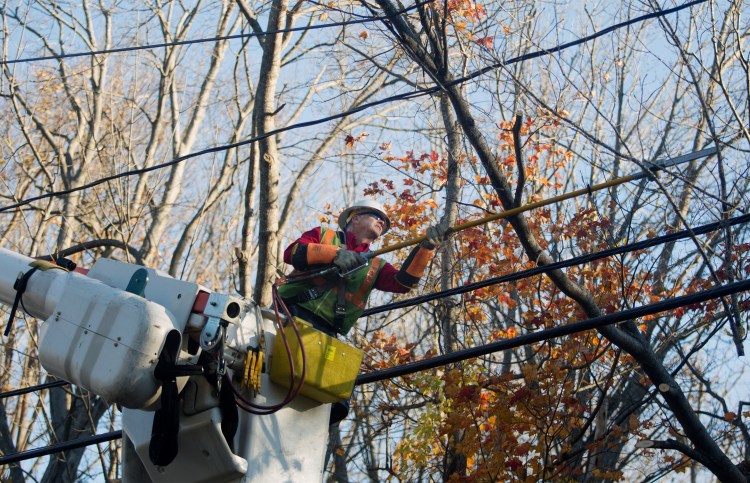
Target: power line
pixel 582 40
pixel 398 97
pixel 60 447
pixel 160 45
pixel 215 149
pixel 38 387
pixel 457 356
pixel 589 257
pixel 546 334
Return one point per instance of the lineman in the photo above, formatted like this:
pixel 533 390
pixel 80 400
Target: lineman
pixel 333 304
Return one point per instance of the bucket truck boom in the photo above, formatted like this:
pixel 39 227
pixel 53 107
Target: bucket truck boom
pixel 172 355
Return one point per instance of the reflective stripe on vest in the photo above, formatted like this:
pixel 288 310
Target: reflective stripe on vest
pixel 328 236
pixel 360 297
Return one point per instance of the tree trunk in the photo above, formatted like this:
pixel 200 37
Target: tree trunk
pixel 268 156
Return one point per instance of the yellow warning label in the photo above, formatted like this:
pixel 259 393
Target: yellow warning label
pixel 330 353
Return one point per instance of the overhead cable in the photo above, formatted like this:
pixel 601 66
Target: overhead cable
pixel 216 149
pixel 708 228
pixel 579 260
pixel 563 330
pixel 589 257
pixel 38 387
pixel 161 45
pixel 60 447
pixel 398 97
pixel 457 356
pixel 573 43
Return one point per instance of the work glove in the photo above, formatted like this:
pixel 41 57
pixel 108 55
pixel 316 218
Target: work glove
pixel 348 260
pixel 436 235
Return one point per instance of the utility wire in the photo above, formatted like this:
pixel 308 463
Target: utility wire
pixel 160 45
pixel 38 387
pixel 561 47
pixel 546 334
pixel 214 149
pixel 60 447
pixel 457 356
pixel 398 97
pixel 589 257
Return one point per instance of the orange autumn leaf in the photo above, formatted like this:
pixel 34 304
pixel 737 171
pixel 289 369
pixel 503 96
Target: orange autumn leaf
pixel 486 42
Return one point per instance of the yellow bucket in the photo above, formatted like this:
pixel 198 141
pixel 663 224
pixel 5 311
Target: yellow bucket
pixel 331 365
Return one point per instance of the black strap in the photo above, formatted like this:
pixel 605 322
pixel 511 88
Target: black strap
pixel 20 287
pixel 339 313
pixel 317 321
pixel 23 280
pixel 163 446
pixel 230 418
pixel 312 293
pixel 339 310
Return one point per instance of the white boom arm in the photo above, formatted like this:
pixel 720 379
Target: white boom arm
pixel 107 331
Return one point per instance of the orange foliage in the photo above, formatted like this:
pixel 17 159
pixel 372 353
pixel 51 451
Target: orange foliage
pixel 517 423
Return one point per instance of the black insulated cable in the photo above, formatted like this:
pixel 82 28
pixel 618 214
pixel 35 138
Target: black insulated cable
pixel 573 43
pixel 399 97
pixel 38 387
pixel 457 356
pixel 60 447
pixel 546 334
pixel 161 45
pixel 676 236
pixel 589 257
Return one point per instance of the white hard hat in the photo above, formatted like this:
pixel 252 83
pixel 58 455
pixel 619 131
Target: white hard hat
pixel 364 206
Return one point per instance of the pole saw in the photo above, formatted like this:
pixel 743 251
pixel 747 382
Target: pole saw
pixel 649 171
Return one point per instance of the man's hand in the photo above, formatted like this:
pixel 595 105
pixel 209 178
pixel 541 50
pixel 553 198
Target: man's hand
pixel 348 260
pixel 436 235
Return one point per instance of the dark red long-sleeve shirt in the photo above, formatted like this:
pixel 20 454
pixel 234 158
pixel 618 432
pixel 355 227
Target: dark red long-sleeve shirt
pixel 386 281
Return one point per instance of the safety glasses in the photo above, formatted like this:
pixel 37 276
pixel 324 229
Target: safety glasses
pixel 374 215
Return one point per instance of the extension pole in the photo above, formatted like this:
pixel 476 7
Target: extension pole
pixel 590 189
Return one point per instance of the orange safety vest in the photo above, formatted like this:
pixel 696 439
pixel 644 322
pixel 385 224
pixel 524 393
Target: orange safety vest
pixel 356 286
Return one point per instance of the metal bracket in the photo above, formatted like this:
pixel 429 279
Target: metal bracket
pixel 668 163
pixel 221 311
pixel 224 307
pixel 211 334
